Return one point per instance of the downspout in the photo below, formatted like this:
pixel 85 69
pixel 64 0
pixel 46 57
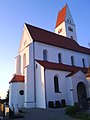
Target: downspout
pixel 45 87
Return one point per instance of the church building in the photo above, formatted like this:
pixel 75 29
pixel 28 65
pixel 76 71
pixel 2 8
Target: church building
pixel 50 66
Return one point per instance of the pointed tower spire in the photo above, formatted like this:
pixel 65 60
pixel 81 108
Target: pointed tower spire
pixel 61 16
pixel 65 25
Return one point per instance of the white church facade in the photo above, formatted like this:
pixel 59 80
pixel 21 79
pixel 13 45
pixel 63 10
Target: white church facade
pixel 50 66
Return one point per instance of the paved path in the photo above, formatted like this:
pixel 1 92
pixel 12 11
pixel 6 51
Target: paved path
pixel 45 114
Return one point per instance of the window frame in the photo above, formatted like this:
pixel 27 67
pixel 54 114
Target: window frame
pixel 45 54
pixel 72 61
pixel 59 57
pixel 56 84
pixel 83 62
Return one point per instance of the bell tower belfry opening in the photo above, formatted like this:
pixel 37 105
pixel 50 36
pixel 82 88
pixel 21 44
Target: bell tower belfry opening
pixel 65 25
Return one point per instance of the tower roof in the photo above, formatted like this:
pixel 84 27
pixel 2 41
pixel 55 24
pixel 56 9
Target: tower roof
pixel 61 15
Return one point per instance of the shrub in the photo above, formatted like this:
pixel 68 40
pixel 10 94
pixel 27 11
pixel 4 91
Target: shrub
pixel 72 110
pixel 76 107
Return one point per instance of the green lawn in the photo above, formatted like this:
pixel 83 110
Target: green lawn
pixel 76 112
pixel 81 115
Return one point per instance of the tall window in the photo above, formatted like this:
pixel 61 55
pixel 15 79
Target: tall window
pixel 56 84
pixel 72 60
pixel 45 55
pixel 24 62
pixel 83 62
pixel 60 58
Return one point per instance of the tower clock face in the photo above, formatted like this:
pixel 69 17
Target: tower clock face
pixel 60 30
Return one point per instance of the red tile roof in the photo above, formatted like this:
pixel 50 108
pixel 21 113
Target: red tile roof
pixel 60 66
pixel 17 78
pixel 72 73
pixel 61 16
pixel 88 74
pixel 50 38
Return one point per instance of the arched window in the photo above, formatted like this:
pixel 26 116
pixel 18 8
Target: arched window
pixel 56 84
pixel 24 62
pixel 45 55
pixel 72 60
pixel 59 57
pixel 83 62
pixel 71 37
pixel 67 20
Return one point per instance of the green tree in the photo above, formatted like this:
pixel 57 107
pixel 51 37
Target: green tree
pixel 7 97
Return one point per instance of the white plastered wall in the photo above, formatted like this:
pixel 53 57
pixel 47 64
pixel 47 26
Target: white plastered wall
pixel 26 47
pixel 78 77
pixel 18 64
pixel 15 98
pixel 71 33
pixel 70 98
pixel 61 27
pixel 29 87
pixel 66 54
pixel 26 41
pixel 50 92
pixel 40 86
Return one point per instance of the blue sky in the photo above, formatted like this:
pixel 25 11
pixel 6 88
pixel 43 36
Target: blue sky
pixel 40 13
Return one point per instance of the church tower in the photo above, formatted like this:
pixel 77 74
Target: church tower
pixel 65 25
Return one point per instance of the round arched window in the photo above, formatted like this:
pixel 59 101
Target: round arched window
pixel 21 92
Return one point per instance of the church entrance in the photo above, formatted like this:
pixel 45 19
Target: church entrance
pixel 82 95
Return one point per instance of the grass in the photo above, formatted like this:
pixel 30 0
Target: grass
pixel 76 112
pixel 81 115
